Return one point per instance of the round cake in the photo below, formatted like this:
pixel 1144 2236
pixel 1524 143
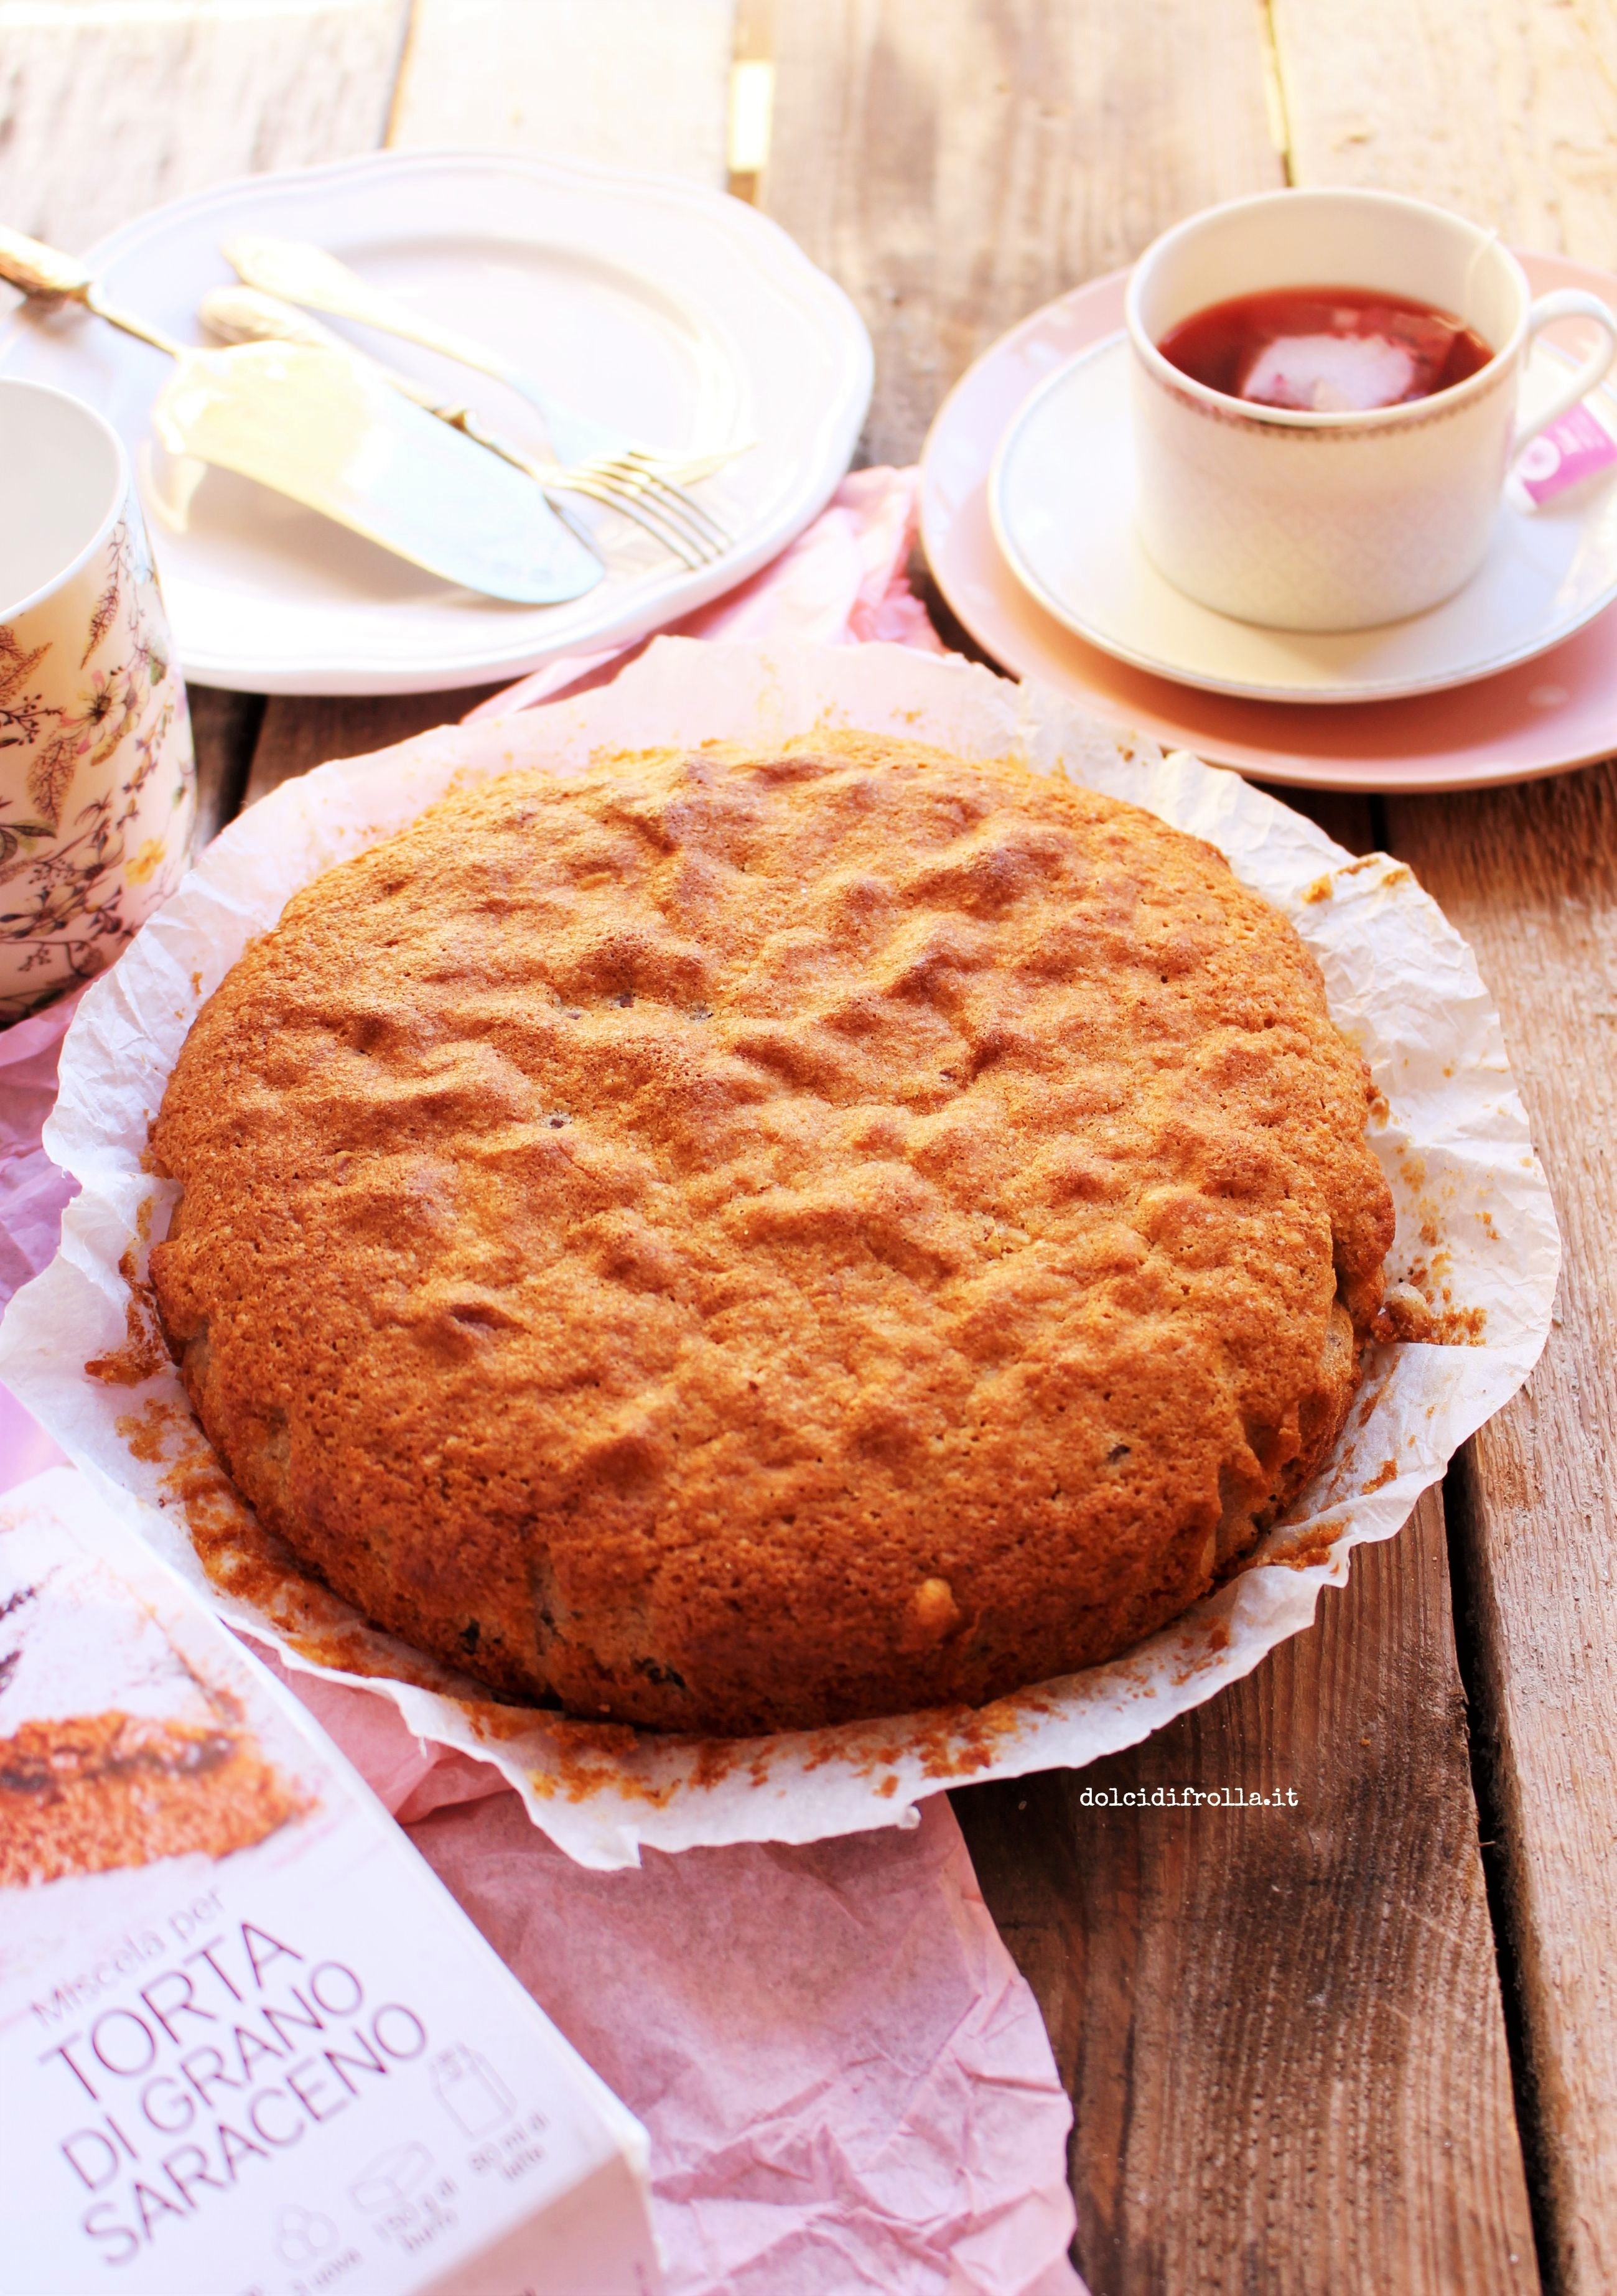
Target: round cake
pixel 733 1242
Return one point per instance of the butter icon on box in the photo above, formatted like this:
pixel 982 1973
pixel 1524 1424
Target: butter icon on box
pixel 249 2044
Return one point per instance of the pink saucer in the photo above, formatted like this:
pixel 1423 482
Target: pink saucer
pixel 1556 711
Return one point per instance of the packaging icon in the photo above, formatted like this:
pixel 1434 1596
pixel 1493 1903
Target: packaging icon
pixel 470 2092
pixel 390 2178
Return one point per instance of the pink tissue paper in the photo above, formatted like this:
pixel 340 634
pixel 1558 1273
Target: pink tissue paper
pixel 846 2083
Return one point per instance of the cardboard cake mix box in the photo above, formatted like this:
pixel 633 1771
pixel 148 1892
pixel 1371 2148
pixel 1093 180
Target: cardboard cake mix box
pixel 249 2044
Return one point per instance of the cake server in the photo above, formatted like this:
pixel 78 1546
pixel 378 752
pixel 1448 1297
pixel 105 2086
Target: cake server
pixel 324 428
pixel 248 315
pixel 298 272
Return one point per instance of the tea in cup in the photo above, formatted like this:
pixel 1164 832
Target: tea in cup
pixel 1325 392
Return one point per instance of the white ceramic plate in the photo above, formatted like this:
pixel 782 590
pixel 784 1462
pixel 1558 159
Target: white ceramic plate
pixel 683 316
pixel 1061 496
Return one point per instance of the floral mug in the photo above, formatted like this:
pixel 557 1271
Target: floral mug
pixel 97 781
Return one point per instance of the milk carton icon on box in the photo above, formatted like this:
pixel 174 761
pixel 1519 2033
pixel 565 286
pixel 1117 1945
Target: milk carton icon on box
pixel 470 2091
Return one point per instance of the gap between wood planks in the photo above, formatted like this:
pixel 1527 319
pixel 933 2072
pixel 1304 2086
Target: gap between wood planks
pixel 1468 1596
pixel 1274 88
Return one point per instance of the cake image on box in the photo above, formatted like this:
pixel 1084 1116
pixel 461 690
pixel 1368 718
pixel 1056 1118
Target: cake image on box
pixel 86 1784
pixel 248 2044
pixel 80 1795
pixel 734 1242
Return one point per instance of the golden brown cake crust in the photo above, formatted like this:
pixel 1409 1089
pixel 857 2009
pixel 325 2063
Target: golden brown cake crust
pixel 738 1242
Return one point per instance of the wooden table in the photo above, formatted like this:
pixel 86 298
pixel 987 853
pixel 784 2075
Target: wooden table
pixel 1370 2042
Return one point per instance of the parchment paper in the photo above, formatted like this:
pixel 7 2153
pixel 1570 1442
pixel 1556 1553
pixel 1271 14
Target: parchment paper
pixel 1476 1237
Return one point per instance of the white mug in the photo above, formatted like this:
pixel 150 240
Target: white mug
pixel 1309 520
pixel 97 781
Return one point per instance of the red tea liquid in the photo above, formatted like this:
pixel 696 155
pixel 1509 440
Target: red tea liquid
pixel 1328 351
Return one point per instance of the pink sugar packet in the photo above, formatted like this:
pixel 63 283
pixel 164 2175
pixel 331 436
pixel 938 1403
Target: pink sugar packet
pixel 1574 446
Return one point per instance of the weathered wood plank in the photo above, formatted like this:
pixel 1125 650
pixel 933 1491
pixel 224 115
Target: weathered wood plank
pixel 1280 2026
pixel 1506 109
pixel 225 727
pixel 1530 877
pixel 954 163
pixel 641 83
pixel 301 731
pixel 108 107
pixel 1510 113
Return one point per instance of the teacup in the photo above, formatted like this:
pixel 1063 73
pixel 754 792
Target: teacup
pixel 1311 521
pixel 97 781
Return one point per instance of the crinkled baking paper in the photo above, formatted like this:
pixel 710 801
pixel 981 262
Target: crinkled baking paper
pixel 1476 1235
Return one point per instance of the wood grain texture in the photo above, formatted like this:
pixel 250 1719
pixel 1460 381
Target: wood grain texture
pixel 303 731
pixel 1529 876
pixel 108 110
pixel 225 729
pixel 641 83
pixel 1504 109
pixel 1280 2026
pixel 954 163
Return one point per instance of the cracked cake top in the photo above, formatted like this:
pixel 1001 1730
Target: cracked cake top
pixel 733 1242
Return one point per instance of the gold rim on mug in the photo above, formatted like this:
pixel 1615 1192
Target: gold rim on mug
pixel 1407 413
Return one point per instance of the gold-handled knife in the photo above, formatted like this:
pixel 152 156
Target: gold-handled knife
pixel 324 428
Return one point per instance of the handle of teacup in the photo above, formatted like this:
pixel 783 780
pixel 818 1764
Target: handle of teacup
pixel 1569 303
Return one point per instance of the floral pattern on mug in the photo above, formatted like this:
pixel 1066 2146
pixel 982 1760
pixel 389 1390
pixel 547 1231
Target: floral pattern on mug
pixel 97 781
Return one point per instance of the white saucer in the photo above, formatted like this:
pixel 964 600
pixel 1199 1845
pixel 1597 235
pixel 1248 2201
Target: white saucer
pixel 680 315
pixel 1061 496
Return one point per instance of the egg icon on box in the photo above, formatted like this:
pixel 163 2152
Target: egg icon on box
pixel 302 2238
